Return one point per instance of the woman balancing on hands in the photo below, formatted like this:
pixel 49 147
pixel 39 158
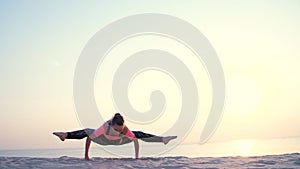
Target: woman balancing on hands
pixel 112 132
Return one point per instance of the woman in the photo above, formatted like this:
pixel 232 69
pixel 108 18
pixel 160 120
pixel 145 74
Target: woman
pixel 112 132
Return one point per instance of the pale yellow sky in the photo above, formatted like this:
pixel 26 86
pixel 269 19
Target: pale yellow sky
pixel 256 42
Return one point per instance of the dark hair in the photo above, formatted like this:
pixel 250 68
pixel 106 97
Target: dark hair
pixel 117 119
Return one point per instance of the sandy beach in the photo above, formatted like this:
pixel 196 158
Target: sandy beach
pixel 269 161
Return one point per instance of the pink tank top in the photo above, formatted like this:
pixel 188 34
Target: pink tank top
pixel 110 133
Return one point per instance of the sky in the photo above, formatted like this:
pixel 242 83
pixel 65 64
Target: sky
pixel 257 43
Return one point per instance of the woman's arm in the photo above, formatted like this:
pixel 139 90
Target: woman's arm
pixel 136 148
pixel 87 147
pixel 127 133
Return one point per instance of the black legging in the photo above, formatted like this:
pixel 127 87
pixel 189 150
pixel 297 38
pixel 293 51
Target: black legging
pixel 80 134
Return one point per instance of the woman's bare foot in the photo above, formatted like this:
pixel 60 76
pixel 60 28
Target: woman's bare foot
pixel 168 138
pixel 62 136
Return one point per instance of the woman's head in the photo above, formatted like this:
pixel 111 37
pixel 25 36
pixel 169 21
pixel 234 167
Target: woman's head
pixel 117 122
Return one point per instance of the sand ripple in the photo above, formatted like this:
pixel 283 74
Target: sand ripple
pixel 271 161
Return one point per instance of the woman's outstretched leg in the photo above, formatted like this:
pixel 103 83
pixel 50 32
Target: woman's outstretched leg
pixel 78 134
pixel 152 138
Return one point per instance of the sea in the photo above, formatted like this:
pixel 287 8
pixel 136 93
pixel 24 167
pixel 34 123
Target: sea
pixel 232 148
